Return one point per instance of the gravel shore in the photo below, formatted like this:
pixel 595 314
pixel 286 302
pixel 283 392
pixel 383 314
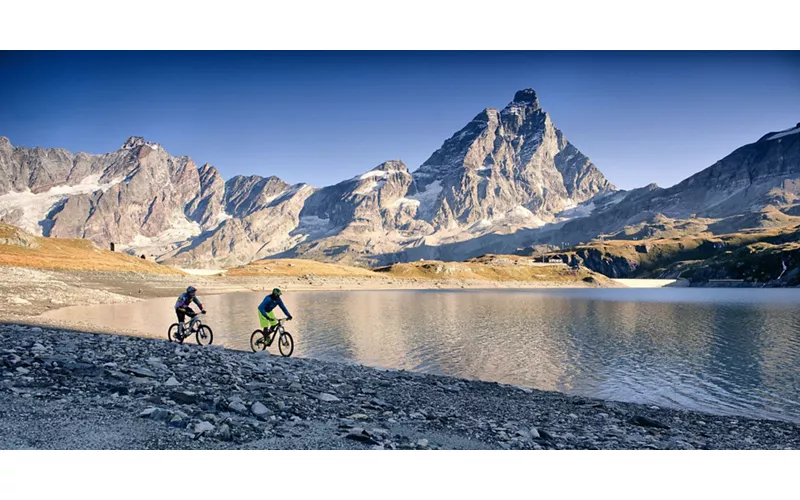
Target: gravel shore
pixel 72 390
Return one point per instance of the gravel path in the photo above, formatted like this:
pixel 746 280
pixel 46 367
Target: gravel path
pixel 72 390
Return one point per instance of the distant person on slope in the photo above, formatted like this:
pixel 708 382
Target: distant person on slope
pixel 265 315
pixel 183 305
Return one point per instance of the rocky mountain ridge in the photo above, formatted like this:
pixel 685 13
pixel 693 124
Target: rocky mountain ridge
pixel 508 179
pixel 510 167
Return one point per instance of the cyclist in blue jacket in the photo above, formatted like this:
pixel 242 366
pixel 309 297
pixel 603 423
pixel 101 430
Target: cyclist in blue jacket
pixel 265 315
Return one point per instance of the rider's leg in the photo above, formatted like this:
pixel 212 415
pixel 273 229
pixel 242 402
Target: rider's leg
pixel 181 313
pixel 273 321
pixel 263 322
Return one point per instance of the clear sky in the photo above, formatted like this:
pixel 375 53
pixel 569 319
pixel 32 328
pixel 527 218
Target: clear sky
pixel 321 117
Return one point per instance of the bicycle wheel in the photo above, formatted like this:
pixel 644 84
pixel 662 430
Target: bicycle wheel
pixel 286 344
pixel 258 342
pixel 204 335
pixel 173 329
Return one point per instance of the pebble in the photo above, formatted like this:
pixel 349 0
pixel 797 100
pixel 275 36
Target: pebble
pixel 259 409
pixel 647 422
pixel 238 407
pixel 201 427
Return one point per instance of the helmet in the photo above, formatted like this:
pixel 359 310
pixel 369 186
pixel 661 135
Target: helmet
pixel 276 292
pixel 191 290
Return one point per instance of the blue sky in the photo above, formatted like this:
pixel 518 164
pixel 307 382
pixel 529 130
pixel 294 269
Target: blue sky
pixel 321 117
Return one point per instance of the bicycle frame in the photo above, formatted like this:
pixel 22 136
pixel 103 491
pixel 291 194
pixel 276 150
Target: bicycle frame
pixel 191 326
pixel 277 333
pixel 195 323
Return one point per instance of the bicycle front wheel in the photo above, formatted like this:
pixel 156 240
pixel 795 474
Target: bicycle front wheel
pixel 204 335
pixel 286 344
pixel 258 341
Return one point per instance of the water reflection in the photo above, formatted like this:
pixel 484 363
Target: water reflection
pixel 723 351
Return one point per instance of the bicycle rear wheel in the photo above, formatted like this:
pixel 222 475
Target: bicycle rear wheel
pixel 171 333
pixel 204 335
pixel 258 341
pixel 286 344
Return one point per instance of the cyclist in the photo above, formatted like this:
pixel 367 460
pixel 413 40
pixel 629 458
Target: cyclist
pixel 265 315
pixel 183 306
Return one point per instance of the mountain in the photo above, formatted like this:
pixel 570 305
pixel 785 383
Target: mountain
pixel 513 161
pixel 505 170
pixel 757 185
pixel 508 179
pixel 139 196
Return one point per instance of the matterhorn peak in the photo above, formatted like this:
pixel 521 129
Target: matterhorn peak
pixel 527 97
pixel 134 142
pixel 392 165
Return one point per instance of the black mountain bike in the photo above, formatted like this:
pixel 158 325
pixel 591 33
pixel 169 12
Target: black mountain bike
pixel 261 339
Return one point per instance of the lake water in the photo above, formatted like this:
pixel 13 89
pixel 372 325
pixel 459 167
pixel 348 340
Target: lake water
pixel 724 351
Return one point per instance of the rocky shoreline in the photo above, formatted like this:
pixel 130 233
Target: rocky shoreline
pixel 73 390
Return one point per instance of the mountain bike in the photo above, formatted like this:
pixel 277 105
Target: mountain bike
pixel 178 332
pixel 261 339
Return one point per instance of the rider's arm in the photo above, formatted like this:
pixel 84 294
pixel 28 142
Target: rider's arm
pixel 262 307
pixel 197 301
pixel 283 308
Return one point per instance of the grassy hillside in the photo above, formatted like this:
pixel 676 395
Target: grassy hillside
pixel 21 249
pixel 759 262
pixel 753 254
pixel 492 268
pixel 486 268
pixel 299 267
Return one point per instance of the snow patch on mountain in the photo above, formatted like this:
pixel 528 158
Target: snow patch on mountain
pixel 180 232
pixel 374 173
pixel 27 209
pixel 370 187
pixel 427 199
pixel 223 216
pixel 582 210
pixel 313 225
pixel 406 201
pixel 785 133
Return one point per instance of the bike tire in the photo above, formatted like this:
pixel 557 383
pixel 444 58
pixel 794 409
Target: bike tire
pixel 204 335
pixel 254 337
pixel 286 344
pixel 171 331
